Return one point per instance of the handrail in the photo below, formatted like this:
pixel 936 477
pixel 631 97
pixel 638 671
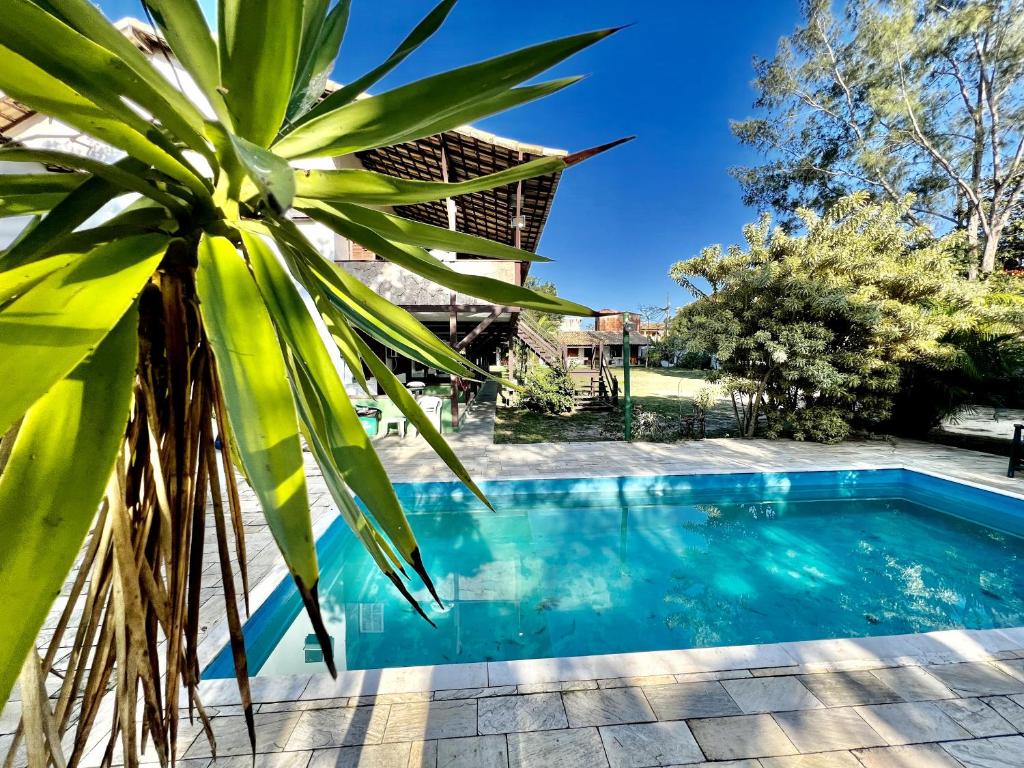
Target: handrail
pixel 608 381
pixel 540 339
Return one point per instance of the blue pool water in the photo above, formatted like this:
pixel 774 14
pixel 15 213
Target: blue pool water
pixel 607 565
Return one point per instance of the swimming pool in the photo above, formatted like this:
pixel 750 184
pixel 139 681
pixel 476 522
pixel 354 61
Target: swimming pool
pixel 613 565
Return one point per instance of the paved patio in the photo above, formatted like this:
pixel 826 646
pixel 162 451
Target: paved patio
pixel 940 700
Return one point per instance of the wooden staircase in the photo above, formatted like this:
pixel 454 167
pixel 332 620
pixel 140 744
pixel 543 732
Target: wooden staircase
pixel 535 339
pixel 591 396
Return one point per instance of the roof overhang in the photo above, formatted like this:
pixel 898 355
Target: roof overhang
pixel 468 151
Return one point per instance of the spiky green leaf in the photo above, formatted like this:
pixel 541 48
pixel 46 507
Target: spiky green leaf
pixel 52 484
pixel 49 329
pixel 259 48
pixel 415 110
pixel 259 401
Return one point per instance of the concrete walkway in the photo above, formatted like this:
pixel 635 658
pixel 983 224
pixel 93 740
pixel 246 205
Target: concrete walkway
pixel 939 700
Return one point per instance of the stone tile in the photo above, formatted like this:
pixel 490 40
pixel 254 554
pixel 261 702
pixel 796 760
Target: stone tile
pixel 545 749
pixel 634 682
pixel 578 685
pixel 913 683
pixel 422 754
pixel 1000 752
pixel 10 716
pixel 302 706
pixel 571 685
pixel 540 688
pixel 474 693
pixel 431 720
pixel 909 756
pixel 267 760
pixel 911 723
pixel 1009 710
pixel 365 756
pixel 728 764
pixel 770 694
pixel 685 700
pixel 272 732
pixel 819 760
pixel 379 699
pixel 730 738
pixel 792 669
pixel 977 717
pixel 533 712
pixel 472 752
pixel 649 744
pixel 845 689
pixel 828 730
pixel 701 677
pixel 1014 668
pixel 345 727
pixel 976 679
pixel 610 706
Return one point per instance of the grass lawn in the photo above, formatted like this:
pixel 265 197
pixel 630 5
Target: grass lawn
pixel 668 391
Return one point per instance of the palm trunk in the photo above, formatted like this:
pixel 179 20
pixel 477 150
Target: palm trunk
pixel 141 575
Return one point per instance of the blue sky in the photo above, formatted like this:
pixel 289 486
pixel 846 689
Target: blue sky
pixel 675 78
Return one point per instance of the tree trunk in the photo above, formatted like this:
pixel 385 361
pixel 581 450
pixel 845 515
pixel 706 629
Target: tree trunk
pixel 988 258
pixel 973 244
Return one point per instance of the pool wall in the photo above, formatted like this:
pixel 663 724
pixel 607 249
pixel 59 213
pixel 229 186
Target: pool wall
pixel 988 507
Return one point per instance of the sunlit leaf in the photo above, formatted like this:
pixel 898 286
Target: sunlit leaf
pixel 414 40
pixel 414 110
pixel 61 459
pixel 47 330
pixel 411 232
pixel 259 49
pixel 258 398
pixel 321 39
pixel 418 261
pixel 345 437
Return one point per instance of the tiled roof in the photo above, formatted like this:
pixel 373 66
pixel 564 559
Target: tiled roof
pixel 593 338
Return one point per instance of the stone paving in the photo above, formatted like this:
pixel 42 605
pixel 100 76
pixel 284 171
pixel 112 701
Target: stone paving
pixel 893 714
pixel 930 701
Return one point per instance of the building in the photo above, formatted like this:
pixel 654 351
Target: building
pixel 613 320
pixel 515 215
pixel 585 348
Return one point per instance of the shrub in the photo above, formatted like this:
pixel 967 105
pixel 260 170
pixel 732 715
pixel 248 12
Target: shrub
pixel 822 425
pixel 816 329
pixel 548 390
pixel 652 426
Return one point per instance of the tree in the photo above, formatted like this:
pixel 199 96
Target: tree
pixel 549 322
pixel 812 331
pixel 896 97
pixel 126 345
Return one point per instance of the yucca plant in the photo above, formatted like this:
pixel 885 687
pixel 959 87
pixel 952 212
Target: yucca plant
pixel 127 347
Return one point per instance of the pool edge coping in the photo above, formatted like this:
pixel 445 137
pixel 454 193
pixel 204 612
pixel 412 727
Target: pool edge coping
pixel 967 644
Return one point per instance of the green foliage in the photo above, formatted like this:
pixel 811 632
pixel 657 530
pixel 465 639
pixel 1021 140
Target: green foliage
pixel 825 323
pixel 653 427
pixel 547 390
pixel 202 300
pixel 821 424
pixel 705 399
pixel 987 369
pixel 895 97
pixel 548 322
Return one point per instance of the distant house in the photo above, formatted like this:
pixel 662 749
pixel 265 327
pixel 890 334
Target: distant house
pixel 585 348
pixel 654 331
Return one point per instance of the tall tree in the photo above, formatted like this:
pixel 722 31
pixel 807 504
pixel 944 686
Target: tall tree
pixel 897 97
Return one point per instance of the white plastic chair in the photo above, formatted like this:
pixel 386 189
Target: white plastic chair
pixel 431 406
